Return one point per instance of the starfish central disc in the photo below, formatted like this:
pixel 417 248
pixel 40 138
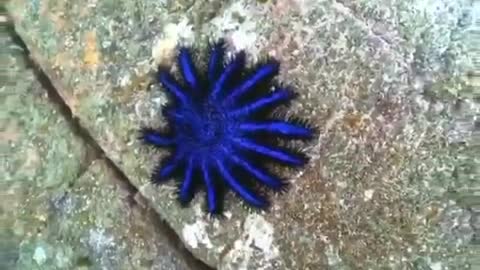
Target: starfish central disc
pixel 204 129
pixel 213 127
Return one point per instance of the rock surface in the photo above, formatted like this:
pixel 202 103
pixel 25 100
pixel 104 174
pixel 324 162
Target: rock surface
pixel 393 181
pixel 61 207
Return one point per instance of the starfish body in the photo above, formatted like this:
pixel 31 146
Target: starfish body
pixel 221 132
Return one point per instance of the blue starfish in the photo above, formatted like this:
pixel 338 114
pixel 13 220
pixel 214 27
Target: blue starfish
pixel 221 132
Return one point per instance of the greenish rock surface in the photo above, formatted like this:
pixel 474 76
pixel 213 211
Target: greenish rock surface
pixel 393 181
pixel 94 225
pixel 60 208
pixel 40 155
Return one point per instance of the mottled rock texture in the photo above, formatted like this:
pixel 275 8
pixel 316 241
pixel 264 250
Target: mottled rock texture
pixel 60 207
pixel 393 180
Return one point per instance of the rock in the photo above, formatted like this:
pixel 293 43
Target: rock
pixel 360 69
pixel 44 156
pixel 58 209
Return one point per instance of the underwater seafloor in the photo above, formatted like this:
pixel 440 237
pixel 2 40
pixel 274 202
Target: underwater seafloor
pixel 394 176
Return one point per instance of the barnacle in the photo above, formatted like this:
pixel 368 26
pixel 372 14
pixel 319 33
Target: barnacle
pixel 221 130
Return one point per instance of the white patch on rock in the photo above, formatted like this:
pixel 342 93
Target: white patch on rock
pixel 422 103
pixel 163 49
pixel 436 266
pixel 368 194
pixel 243 40
pixel 124 81
pixel 196 233
pixel 183 31
pixel 256 238
pixel 228 214
pixel 40 255
pixel 99 240
pixel 243 33
pixel 332 256
pixel 260 234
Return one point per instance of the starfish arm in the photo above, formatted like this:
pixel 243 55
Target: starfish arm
pixel 235 65
pixel 167 168
pixel 264 176
pixel 212 194
pixel 153 137
pixel 272 99
pixel 275 127
pixel 272 152
pixel 264 72
pixel 185 192
pixel 188 68
pixel 242 191
pixel 215 62
pixel 172 86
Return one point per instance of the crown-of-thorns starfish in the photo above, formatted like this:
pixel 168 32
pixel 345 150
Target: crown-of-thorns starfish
pixel 221 128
